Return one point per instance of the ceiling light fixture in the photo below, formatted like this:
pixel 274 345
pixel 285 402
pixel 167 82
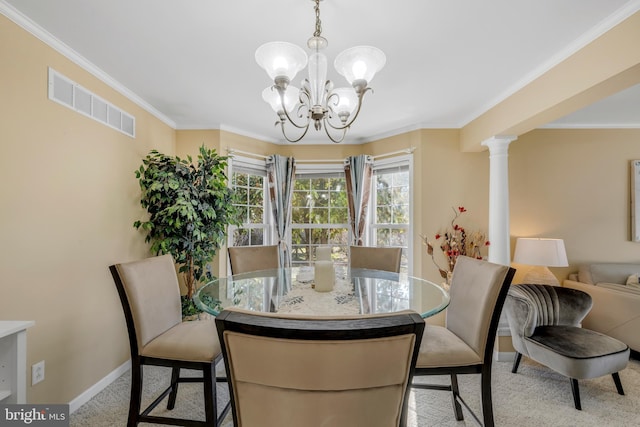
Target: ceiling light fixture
pixel 317 101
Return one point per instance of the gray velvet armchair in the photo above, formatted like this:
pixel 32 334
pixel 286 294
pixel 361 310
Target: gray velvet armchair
pixel 545 326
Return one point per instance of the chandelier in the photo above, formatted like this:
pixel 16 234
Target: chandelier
pixel 317 101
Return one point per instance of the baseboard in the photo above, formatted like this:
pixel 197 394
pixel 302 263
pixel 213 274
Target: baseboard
pixel 88 394
pixel 504 356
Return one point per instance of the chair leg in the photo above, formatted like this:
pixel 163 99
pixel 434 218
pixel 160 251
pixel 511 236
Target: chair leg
pixel 516 362
pixel 576 394
pixel 457 409
pixel 616 380
pixel 487 405
pixel 210 400
pixel 175 375
pixel 136 394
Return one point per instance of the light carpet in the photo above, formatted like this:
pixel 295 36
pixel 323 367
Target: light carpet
pixel 535 396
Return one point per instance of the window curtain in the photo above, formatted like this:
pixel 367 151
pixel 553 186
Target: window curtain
pixel 357 174
pixel 280 174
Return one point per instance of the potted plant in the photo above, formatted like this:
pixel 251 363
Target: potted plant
pixel 189 207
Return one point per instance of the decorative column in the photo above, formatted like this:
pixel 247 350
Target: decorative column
pixel 499 249
pixel 499 235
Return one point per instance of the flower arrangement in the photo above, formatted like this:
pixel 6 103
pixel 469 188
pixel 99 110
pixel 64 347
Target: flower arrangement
pixel 456 241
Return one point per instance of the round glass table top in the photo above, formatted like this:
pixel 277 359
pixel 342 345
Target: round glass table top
pixel 292 290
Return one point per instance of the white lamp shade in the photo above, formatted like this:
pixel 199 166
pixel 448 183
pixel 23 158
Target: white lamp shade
pixel 271 96
pixel 281 59
pixel 539 251
pixel 360 63
pixel 345 102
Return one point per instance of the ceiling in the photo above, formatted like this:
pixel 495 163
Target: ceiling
pixel 192 62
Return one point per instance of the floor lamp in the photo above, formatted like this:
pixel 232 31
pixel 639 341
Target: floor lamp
pixel 540 253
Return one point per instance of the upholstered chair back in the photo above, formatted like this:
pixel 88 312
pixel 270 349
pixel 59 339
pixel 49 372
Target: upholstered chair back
pixel 375 258
pixel 475 295
pixel 529 306
pixel 319 371
pixel 153 296
pixel 244 259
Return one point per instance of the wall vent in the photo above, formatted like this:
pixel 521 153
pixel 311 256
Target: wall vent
pixel 70 94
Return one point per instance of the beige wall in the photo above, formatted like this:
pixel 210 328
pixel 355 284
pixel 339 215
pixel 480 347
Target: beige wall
pixel 575 185
pixel 69 198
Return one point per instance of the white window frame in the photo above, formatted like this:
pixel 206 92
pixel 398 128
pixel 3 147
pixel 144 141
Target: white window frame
pixel 319 169
pixel 390 163
pixel 246 164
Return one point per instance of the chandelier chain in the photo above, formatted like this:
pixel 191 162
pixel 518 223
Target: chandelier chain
pixel 318 30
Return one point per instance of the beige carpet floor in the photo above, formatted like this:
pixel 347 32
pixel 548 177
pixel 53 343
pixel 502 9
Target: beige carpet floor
pixel 535 396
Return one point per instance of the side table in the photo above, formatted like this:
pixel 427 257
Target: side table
pixel 13 360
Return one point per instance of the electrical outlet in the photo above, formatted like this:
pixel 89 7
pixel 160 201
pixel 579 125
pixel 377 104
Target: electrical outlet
pixel 37 372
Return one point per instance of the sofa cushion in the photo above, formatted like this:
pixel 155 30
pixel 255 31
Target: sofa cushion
pixel 633 281
pixel 607 272
pixel 619 287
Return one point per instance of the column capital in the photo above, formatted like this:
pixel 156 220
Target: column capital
pixel 497 142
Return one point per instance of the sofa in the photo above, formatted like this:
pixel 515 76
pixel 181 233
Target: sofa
pixel 615 292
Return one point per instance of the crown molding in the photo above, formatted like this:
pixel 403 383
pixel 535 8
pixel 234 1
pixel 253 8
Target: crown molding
pixel 43 35
pixel 614 19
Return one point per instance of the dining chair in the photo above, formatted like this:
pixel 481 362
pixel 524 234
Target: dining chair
pixel 375 258
pixel 244 259
pixel 150 297
pixel 465 344
pixel 319 371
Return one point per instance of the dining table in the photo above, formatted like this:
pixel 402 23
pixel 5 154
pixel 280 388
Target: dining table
pixel 292 291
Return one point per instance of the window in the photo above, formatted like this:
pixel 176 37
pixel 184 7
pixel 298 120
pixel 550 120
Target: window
pixel 319 216
pixel 390 214
pixel 248 178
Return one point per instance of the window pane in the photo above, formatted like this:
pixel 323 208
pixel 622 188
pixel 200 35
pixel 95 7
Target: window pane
pixel 257 236
pixel 300 236
pixel 319 236
pixel 255 215
pixel 382 237
pixel 321 199
pixel 300 215
pixel 240 179
pixel 320 216
pixel 299 199
pixel 256 181
pixel 400 214
pixel 319 184
pixel 241 237
pixel 339 216
pixel 256 197
pixel 302 184
pixel 243 194
pixel 383 214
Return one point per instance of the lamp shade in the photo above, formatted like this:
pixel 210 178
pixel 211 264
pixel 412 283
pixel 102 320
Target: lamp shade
pixel 272 97
pixel 281 59
pixel 345 101
pixel 360 63
pixel 540 251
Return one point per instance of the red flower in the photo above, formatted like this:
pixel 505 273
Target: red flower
pixel 456 227
pixel 487 243
pixel 461 209
pixel 438 236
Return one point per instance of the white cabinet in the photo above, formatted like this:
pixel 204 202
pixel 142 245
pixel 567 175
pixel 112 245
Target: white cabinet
pixel 13 360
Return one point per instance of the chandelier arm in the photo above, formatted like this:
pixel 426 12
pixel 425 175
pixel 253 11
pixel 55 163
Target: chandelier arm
pixel 334 140
pixel 286 113
pixel 354 117
pixel 284 133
